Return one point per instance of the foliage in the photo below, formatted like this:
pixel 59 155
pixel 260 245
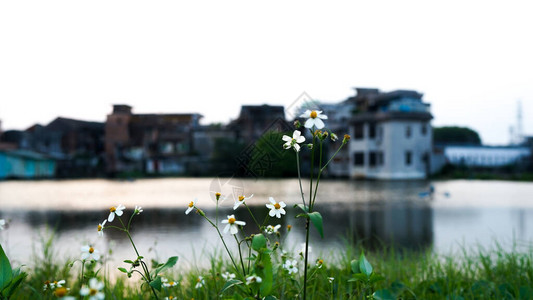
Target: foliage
pixel 455 135
pixel 270 160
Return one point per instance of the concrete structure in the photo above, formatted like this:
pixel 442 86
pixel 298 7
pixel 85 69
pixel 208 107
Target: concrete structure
pixel 150 143
pixel 25 164
pixel 391 135
pixel 485 156
pixel 255 120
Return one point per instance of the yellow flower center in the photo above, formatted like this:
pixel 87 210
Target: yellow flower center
pixel 91 250
pixel 60 292
pixel 113 209
pixel 217 194
pixel 241 198
pixel 277 206
pixel 231 220
pixel 55 281
pixel 99 227
pixel 191 204
pixel 313 114
pixel 93 292
pixel 171 283
pixel 47 282
pixel 320 261
pixel 199 280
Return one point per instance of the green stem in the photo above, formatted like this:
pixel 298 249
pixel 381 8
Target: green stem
pixel 306 255
pixel 300 178
pixel 223 241
pixel 240 255
pixel 312 203
pixel 253 217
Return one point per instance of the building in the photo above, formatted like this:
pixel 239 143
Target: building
pixel 149 143
pixel 391 136
pixel 486 156
pixel 25 164
pixel 255 120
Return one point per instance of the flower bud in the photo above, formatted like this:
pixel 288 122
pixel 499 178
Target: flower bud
pixel 346 138
pixel 310 146
pixel 333 137
pixel 297 124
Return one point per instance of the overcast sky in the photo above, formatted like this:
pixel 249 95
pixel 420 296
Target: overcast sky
pixel 472 60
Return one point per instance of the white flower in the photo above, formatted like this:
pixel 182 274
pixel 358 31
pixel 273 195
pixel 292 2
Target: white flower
pixel 167 284
pixel 253 279
pixel 241 200
pixel 101 228
pixel 59 283
pixel 199 282
pixel 297 138
pixel 138 210
pixel 170 298
pixel 118 210
pixel 89 252
pixel 94 290
pixel 191 206
pixel 232 226
pixel 330 279
pixel 291 266
pixel 272 229
pixel 228 276
pixel 276 209
pixel 314 119
pixel 2 224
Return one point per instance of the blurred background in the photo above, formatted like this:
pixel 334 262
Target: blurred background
pixel 155 105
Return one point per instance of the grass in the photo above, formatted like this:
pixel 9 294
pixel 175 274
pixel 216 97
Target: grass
pixel 470 274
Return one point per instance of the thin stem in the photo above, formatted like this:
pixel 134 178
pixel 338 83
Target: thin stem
pixel 306 255
pixel 300 177
pixel 240 255
pixel 253 217
pixel 222 239
pixel 312 202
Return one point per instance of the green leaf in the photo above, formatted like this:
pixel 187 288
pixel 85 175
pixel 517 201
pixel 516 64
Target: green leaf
pixel 259 242
pixel 355 266
pixel 305 209
pixel 316 218
pixel 156 283
pixel 358 277
pixel 270 298
pixel 6 273
pixel 301 216
pixel 266 274
pixel 229 284
pixel 123 270
pixel 18 278
pixel 365 266
pixel 375 278
pixel 169 264
pixel 128 261
pixel 383 295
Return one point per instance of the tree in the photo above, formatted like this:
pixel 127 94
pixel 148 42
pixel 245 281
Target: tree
pixel 455 135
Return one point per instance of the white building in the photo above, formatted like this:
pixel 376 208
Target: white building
pixel 391 136
pixel 485 156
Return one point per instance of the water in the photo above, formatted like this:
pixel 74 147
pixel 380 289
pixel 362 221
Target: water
pixel 459 214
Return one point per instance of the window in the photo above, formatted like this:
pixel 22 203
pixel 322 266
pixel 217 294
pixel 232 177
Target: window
pixel 372 130
pixel 359 159
pixel 424 129
pixel 408 131
pixel 408 158
pixel 372 159
pixel 358 131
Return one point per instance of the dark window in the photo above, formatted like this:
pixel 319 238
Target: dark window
pixel 359 158
pixel 372 159
pixel 358 131
pixel 424 129
pixel 408 157
pixel 381 160
pixel 408 131
pixel 372 131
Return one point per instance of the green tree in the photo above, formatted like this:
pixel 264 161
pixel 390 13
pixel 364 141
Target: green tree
pixel 455 135
pixel 269 159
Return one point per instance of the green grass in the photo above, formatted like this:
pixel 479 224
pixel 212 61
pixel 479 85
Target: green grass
pixel 471 274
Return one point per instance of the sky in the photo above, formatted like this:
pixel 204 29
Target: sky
pixel 472 60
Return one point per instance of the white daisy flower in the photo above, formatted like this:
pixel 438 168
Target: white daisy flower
pixel 233 225
pixel 253 279
pixel 297 138
pixel 89 252
pixel 93 290
pixel 101 228
pixel 138 210
pixel 272 229
pixel 314 119
pixel 115 210
pixel 199 282
pixel 291 266
pixel 191 206
pixel 241 200
pixel 276 209
pixel 169 283
pixel 330 279
pixel 228 276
